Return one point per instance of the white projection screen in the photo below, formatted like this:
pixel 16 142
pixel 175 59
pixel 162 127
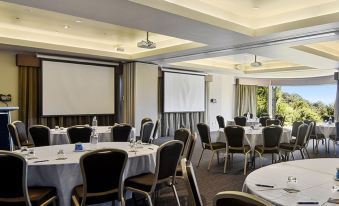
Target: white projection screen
pixel 76 89
pixel 184 92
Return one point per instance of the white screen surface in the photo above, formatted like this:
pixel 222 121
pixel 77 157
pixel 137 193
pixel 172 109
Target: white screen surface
pixel 77 89
pixel 184 92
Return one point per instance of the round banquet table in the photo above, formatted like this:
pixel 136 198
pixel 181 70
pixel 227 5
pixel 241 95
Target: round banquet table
pixel 326 129
pixel 59 136
pixel 315 180
pixel 254 137
pixel 66 174
pixel 249 122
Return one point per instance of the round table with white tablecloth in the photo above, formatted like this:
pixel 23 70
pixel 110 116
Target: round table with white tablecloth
pixel 314 180
pixel 66 174
pixel 326 129
pixel 59 136
pixel 254 137
pixel 249 122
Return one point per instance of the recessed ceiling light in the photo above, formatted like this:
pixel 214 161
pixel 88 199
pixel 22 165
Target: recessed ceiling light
pixel 66 26
pixel 78 21
pixel 120 49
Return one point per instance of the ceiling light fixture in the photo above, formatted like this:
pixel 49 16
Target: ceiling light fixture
pixel 146 44
pixel 66 26
pixel 78 21
pixel 256 63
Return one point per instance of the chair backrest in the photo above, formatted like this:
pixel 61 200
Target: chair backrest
pixel 183 135
pixel 234 136
pixel 40 135
pixel 221 121
pixel 281 118
pixel 156 129
pixel 264 115
pixel 262 120
pixel 241 121
pixel 309 132
pixel 13 177
pixel 307 121
pixel 326 118
pixel 79 133
pixel 235 198
pixel 337 130
pixel 272 122
pixel 302 134
pixel 121 132
pixel 146 131
pixel 14 136
pixel 272 136
pixel 204 133
pixel 191 182
pixel 251 115
pixel 191 145
pixel 168 156
pixel 295 126
pixel 102 170
pixel 144 120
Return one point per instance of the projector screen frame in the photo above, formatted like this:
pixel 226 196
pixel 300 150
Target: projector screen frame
pixel 40 86
pixel 168 70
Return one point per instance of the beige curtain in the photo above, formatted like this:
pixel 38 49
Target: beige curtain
pixel 29 103
pixel 129 93
pixel 245 99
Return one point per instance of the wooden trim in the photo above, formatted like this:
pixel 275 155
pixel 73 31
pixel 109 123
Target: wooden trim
pixel 28 60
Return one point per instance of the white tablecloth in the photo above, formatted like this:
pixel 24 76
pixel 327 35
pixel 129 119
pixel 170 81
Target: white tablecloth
pixel 66 174
pixel 249 122
pixel 60 136
pixel 255 137
pixel 315 179
pixel 326 129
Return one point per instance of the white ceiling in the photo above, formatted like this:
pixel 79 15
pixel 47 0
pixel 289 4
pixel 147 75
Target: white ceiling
pixel 188 38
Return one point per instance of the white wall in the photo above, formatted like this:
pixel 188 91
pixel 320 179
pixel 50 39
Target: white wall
pixel 146 93
pixel 221 89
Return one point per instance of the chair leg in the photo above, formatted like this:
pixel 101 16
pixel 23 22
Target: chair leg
pixel 149 200
pixel 175 194
pixel 302 154
pixel 245 164
pixel 225 163
pixel 272 158
pixel 292 155
pixel 209 164
pixel 218 157
pixel 335 152
pixel 200 157
pixel 313 145
pixel 308 155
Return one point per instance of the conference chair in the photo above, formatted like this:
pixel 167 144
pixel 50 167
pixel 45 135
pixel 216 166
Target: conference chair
pixel 271 136
pixel 241 121
pixel 270 122
pixel 156 129
pixel 13 186
pixel 221 122
pixel 206 143
pixel 281 118
pixel 79 133
pixel 262 120
pixel 235 198
pixel 295 126
pixel 121 132
pixel 17 130
pixel 264 115
pixel 314 136
pixel 183 135
pixel 146 132
pixel 102 173
pixel 334 139
pixel 251 115
pixel 40 135
pixel 191 183
pixel 235 144
pixel 168 156
pixel 289 148
pixel 144 120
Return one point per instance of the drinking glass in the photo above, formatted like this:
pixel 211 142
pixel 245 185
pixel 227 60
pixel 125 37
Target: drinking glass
pixel 291 182
pixel 61 155
pixel 31 154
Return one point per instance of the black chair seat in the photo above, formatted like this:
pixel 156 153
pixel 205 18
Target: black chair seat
pixel 239 150
pixel 142 182
pixel 37 196
pixel 286 146
pixel 95 198
pixel 261 149
pixel 216 145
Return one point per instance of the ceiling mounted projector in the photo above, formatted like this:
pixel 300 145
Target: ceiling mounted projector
pixel 256 63
pixel 147 44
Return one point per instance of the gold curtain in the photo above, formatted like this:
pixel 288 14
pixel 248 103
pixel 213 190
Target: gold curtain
pixel 129 93
pixel 245 99
pixel 29 102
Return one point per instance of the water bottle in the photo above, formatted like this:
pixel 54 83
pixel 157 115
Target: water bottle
pixel 94 122
pixel 94 138
pixel 248 115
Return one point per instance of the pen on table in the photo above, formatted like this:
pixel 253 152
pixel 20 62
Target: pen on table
pixel 150 148
pixel 40 161
pixel 261 185
pixel 308 203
